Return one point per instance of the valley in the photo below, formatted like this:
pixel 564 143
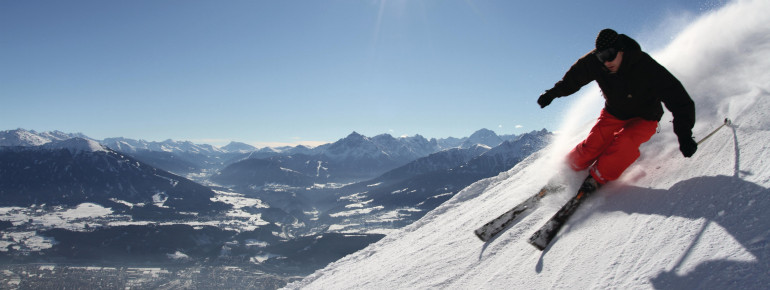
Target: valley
pixel 278 213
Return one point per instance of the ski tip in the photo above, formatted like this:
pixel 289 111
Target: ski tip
pixel 539 242
pixel 480 236
pixel 538 246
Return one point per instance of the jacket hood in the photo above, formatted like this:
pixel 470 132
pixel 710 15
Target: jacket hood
pixel 631 52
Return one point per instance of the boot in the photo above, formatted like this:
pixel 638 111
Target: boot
pixel 590 184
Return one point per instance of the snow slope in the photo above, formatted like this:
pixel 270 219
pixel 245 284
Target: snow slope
pixel 670 222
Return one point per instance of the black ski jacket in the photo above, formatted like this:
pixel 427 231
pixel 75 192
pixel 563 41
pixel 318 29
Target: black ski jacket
pixel 636 90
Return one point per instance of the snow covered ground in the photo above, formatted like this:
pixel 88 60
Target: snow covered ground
pixel 670 222
pixel 31 221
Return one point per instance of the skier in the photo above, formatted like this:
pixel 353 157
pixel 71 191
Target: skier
pixel 633 85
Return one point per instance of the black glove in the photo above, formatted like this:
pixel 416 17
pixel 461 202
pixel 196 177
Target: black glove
pixel 688 146
pixel 545 100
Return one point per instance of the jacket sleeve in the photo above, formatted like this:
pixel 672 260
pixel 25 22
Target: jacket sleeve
pixel 678 101
pixel 576 77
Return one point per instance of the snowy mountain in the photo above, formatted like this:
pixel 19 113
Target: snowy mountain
pixel 238 147
pixel 130 145
pixel 21 137
pixel 511 152
pixel 75 200
pixel 199 161
pixel 299 184
pixel 75 145
pixel 259 172
pixel 670 222
pixel 180 157
pixel 78 170
pixel 441 160
pixel 353 158
pixel 356 147
pixel 401 196
pixel 485 137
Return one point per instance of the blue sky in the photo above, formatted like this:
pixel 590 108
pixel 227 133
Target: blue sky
pixel 273 72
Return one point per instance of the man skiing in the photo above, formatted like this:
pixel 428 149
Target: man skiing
pixel 633 85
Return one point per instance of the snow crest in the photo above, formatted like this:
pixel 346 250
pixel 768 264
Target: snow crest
pixel 76 145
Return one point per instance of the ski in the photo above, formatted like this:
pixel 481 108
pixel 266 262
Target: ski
pixel 495 226
pixel 547 232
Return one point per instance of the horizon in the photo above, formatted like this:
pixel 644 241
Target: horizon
pixel 288 73
pixel 310 144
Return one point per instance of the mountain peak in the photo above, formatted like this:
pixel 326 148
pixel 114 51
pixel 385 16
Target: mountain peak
pixel 76 145
pixel 238 147
pixel 353 142
pixel 385 140
pixel 21 137
pixel 29 138
pixel 355 135
pixel 485 137
pixel 484 132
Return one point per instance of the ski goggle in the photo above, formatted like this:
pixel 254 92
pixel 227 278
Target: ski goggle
pixel 607 55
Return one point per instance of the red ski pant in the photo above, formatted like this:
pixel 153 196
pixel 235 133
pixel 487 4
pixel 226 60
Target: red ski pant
pixel 611 146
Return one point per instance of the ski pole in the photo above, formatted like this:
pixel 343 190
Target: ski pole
pixel 727 122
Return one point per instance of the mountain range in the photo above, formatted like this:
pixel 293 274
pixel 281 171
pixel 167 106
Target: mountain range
pixel 191 160
pixel 73 171
pixel 252 205
pixel 403 195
